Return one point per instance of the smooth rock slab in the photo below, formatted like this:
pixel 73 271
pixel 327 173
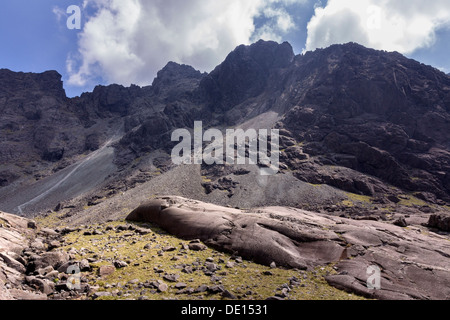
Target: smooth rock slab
pixel 257 237
pixel 413 263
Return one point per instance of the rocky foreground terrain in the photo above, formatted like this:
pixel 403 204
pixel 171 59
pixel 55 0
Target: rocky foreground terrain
pixel 213 252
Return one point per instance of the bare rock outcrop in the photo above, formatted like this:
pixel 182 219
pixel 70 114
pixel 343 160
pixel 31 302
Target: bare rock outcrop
pixel 414 263
pixel 29 260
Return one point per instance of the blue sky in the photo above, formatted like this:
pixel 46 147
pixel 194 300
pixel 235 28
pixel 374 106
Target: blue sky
pixel 129 41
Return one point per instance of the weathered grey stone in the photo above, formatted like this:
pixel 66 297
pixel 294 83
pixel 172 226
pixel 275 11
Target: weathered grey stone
pixel 120 264
pixel 171 277
pixel 84 265
pixel 13 263
pixel 440 221
pixel 54 259
pixel 197 247
pixel 98 295
pixel 46 287
pixel 105 271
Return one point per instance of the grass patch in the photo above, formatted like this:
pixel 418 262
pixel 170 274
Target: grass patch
pixel 246 280
pixel 315 185
pixel 412 201
pixel 356 199
pixel 206 180
pixel 50 220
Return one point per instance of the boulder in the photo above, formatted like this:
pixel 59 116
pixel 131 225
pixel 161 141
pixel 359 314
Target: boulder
pixel 440 221
pixel 105 271
pixel 413 265
pixel 256 237
pixel 13 263
pixel 43 285
pixel 54 259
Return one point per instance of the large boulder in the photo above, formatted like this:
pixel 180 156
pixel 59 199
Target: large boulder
pixel 257 237
pixel 54 259
pixel 440 221
pixel 412 264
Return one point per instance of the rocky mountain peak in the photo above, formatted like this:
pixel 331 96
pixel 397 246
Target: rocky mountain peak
pixel 173 72
pixel 175 80
pixel 267 54
pixel 245 72
pixel 48 83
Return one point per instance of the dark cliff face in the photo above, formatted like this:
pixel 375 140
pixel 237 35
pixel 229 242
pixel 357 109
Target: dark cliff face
pixel 34 120
pixel 374 112
pixel 245 73
pixel 31 83
pixel 351 117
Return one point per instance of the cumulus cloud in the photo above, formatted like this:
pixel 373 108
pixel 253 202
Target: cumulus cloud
pixel 129 41
pixel 392 25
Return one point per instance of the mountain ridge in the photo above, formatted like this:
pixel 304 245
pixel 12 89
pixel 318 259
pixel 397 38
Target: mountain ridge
pixel 377 117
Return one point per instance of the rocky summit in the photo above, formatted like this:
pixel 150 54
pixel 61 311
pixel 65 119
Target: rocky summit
pixel 363 180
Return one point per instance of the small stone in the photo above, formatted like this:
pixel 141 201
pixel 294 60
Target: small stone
pixel 158 270
pixel 134 281
pixel 188 270
pixel 105 271
pixel 212 267
pixel 53 244
pixel 48 232
pixel 37 245
pixel 162 287
pixel 142 231
pixel 171 277
pixel 120 264
pixel 273 265
pixel 230 265
pixel 216 289
pixel 31 224
pixel 122 227
pixel 84 265
pixel 97 295
pixel 42 285
pixel 197 247
pixel 401 222
pixel 202 288
pixel 215 278
pixel 52 275
pixel 228 295
pixel 180 285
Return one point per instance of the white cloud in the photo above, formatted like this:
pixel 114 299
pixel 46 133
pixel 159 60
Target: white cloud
pixel 59 13
pixel 129 41
pixel 392 25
